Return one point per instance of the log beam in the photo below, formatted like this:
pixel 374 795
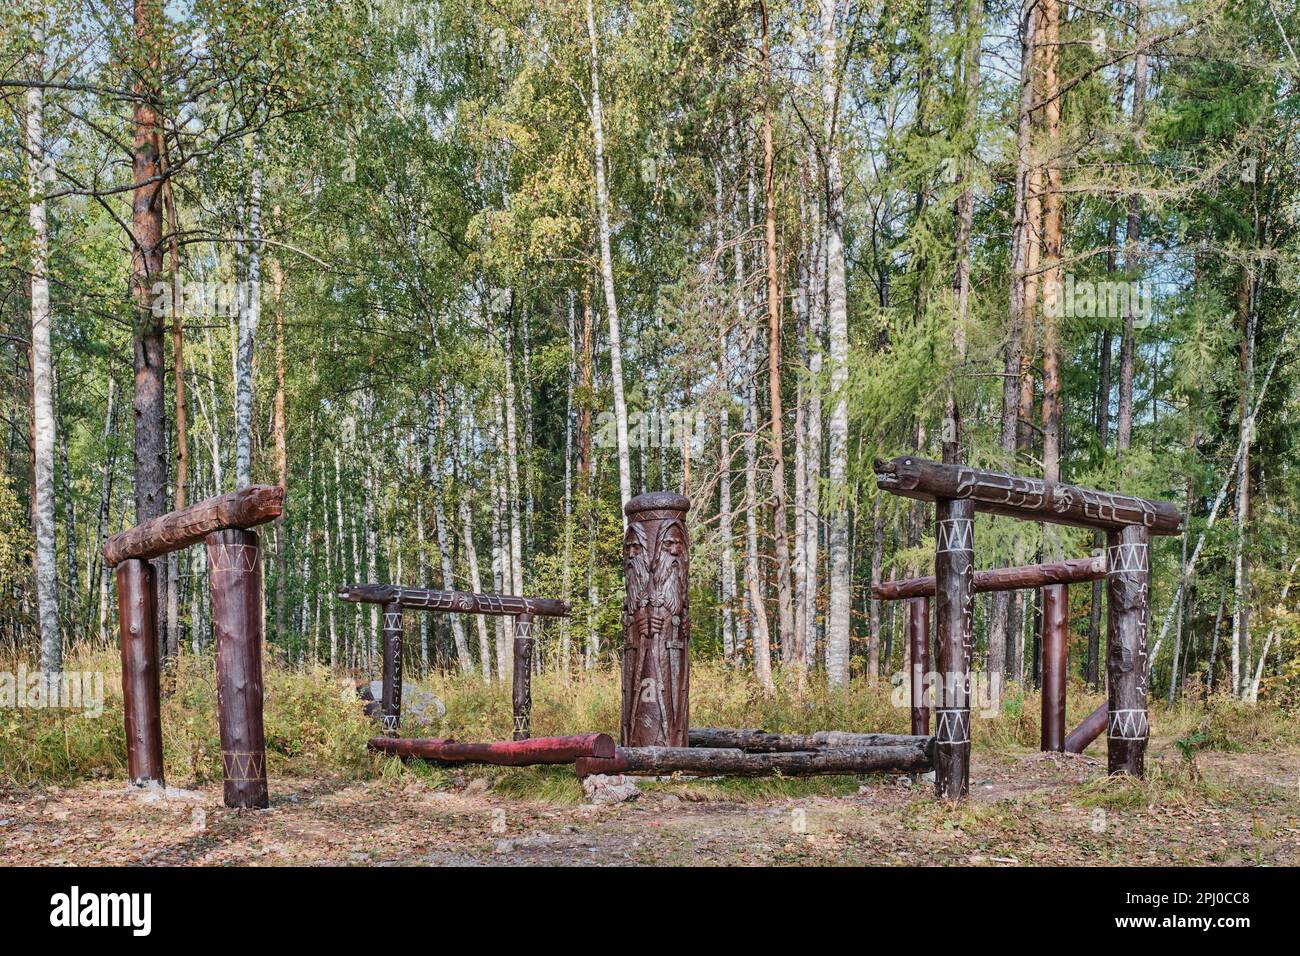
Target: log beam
pixel 456 602
pixel 246 508
pixel 1077 740
pixel 1002 579
pixel 743 738
pixel 730 761
pixel 1032 499
pixel 506 753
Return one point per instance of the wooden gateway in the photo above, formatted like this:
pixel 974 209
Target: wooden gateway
pixel 224 524
pixel 958 492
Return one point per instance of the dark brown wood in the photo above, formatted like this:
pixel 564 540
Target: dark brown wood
pixel 456 602
pixel 954 560
pixel 743 738
pixel 1033 499
pixel 1002 579
pixel 522 691
pixel 656 622
pixel 137 623
pixel 729 761
pixel 1056 607
pixel 235 573
pixel 917 624
pixel 390 709
pixel 251 506
pixel 1077 740
pixel 1128 582
pixel 508 753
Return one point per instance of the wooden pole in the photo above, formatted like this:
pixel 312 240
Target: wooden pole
pixel 254 505
pixel 235 572
pixel 954 560
pixel 1077 740
pixel 512 753
pixel 743 738
pixel 141 700
pixel 1002 579
pixel 1033 499
pixel 1128 583
pixel 522 691
pixel 390 709
pixel 656 622
pixel 918 637
pixel 1056 606
pixel 711 761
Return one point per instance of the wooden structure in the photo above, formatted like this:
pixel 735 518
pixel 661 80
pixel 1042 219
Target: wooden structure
pixel 224 525
pixel 656 622
pixel 958 492
pixel 1053 578
pixel 397 599
pixel 508 753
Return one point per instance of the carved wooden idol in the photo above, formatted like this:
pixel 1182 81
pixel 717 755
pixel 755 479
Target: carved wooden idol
pixel 656 622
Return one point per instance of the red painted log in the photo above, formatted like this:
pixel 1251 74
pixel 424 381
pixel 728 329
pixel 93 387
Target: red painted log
pixel 521 696
pixel 656 623
pixel 141 701
pixel 508 753
pixel 954 559
pixel 918 637
pixel 1077 740
pixel 390 709
pixel 1002 579
pixel 1128 583
pixel 1056 606
pixel 726 761
pixel 1032 499
pixel 456 602
pixel 235 573
pixel 251 506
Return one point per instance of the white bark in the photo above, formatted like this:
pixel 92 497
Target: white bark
pixel 471 557
pixel 607 268
pixel 39 173
pixel 250 311
pixel 837 619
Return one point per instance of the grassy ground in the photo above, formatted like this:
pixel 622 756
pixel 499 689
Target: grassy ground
pixel 1222 786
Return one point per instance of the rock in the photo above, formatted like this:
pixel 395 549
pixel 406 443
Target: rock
pixel 418 705
pixel 504 846
pixel 151 793
pixel 603 789
pixel 477 785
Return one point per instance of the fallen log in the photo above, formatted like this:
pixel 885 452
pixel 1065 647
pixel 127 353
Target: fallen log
pixel 1002 579
pixel 1077 740
pixel 730 761
pixel 506 753
pixel 461 602
pixel 246 508
pixel 743 738
pixel 1033 499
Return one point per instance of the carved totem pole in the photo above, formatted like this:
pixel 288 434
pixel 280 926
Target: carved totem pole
pixel 656 622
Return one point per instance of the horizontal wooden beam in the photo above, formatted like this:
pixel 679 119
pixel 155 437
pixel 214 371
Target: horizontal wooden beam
pixel 1032 499
pixel 246 508
pixel 1002 579
pixel 1077 740
pixel 743 738
pixel 730 761
pixel 507 753
pixel 462 602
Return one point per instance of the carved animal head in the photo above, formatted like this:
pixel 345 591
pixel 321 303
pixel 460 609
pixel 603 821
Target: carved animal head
pixel 897 474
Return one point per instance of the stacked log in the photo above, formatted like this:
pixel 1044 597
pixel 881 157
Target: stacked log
pixel 506 753
pixel 734 762
pixel 761 741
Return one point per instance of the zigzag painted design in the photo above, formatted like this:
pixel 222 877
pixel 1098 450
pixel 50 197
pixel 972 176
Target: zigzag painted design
pixel 524 629
pixel 952 726
pixel 1127 558
pixel 392 622
pixel 955 534
pixel 521 723
pixel 238 558
pixel 1128 725
pixel 390 722
pixel 240 766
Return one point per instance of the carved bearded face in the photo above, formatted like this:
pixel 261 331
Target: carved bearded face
pixel 636 563
pixel 669 570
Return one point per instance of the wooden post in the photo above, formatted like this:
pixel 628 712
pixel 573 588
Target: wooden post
pixel 954 560
pixel 235 573
pixel 1077 740
pixel 918 637
pixel 656 622
pixel 1056 606
pixel 1128 582
pixel 390 709
pixel 141 701
pixel 522 691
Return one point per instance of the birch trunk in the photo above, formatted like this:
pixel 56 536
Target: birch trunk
pixel 471 557
pixel 250 313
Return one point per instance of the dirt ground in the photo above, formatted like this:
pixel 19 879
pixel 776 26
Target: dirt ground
pixel 1234 809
